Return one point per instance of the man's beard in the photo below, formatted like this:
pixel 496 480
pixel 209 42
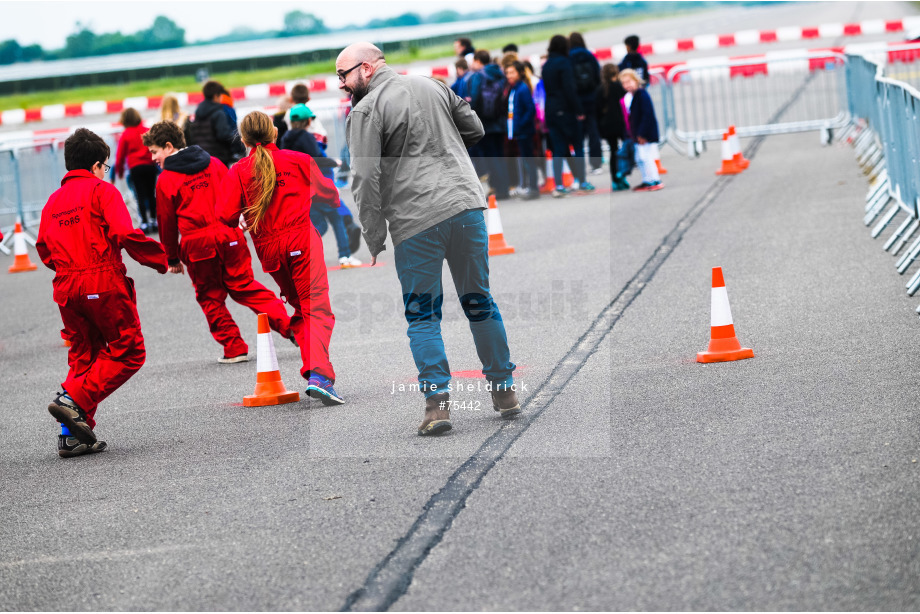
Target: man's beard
pixel 359 91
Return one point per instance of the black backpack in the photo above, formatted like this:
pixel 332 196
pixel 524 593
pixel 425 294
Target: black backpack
pixel 583 67
pixel 492 94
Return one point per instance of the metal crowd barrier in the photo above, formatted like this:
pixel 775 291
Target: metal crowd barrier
pixel 779 94
pixel 29 173
pixel 886 136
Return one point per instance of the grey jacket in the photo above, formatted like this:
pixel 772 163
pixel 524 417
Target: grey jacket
pixel 408 138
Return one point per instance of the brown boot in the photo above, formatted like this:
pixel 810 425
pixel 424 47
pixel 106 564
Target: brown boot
pixel 437 415
pixel 506 403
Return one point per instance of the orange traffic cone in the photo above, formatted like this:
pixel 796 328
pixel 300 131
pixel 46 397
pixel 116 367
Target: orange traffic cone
pixel 738 157
pixel 497 245
pixel 661 170
pixel 728 162
pixel 550 184
pixel 21 263
pixel 723 344
pixel 567 177
pixel 270 389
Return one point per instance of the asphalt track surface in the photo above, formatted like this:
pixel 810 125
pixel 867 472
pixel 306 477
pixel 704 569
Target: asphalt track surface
pixel 636 479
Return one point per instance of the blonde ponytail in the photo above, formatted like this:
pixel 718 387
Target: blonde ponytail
pixel 256 131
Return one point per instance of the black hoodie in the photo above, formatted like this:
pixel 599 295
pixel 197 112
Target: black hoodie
pixel 213 132
pixel 188 161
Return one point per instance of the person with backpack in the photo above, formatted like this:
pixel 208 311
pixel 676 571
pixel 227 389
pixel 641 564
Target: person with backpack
pixel 212 129
pixel 563 112
pixel 487 95
pixel 587 71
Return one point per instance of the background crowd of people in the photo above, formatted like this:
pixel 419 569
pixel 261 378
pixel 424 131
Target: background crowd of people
pixel 573 102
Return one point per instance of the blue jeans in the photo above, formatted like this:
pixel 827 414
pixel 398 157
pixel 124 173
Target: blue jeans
pixel 319 214
pixel 464 242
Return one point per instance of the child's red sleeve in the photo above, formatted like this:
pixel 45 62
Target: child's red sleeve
pixel 40 246
pixel 322 187
pixel 167 220
pixel 120 155
pixel 146 251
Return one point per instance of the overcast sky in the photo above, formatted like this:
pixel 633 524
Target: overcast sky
pixel 49 22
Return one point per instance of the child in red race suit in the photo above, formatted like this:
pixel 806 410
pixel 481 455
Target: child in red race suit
pixel 217 257
pixel 274 190
pixel 84 227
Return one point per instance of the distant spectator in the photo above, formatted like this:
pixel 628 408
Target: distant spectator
pixel 322 215
pixel 487 94
pixel 212 129
pixel 284 105
pixel 563 112
pixel 464 49
pixel 143 172
pixel 610 121
pixel 587 72
pixel 300 94
pixel 633 59
pixel 642 127
pixel 459 86
pixel 227 100
pixel 521 116
pixel 508 59
pixel 510 48
pixel 171 111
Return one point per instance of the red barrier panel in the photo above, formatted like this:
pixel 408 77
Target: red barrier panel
pixel 810 33
pixel 852 29
pixel 114 106
pixel 73 110
pixel 768 36
pixel 895 25
pixel 685 44
pixel 726 40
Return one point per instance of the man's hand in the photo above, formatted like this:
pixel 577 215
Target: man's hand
pixel 177 268
pixel 373 260
pixel 580 118
pixel 641 140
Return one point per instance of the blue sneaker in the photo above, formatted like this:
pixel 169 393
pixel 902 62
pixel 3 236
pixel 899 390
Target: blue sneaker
pixel 318 387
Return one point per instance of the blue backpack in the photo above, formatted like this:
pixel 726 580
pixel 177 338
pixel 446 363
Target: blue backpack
pixel 492 93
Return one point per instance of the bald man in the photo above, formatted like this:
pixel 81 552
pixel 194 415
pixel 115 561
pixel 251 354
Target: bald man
pixel 408 137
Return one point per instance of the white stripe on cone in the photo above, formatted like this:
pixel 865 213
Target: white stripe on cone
pixel 19 244
pixel 267 361
pixel 721 314
pixel 493 222
pixel 727 150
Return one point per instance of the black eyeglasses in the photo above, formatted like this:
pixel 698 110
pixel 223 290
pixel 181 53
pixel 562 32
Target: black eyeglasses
pixel 106 166
pixel 344 73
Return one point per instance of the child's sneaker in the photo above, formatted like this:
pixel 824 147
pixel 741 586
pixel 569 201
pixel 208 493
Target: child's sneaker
pixel 646 186
pixel 349 262
pixel 229 360
pixel 318 387
pixel 561 191
pixel 71 446
pixel 66 411
pixel 619 184
pixel 584 186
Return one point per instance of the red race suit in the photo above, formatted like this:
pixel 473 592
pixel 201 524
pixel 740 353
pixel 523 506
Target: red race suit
pixel 84 227
pixel 288 245
pixel 217 257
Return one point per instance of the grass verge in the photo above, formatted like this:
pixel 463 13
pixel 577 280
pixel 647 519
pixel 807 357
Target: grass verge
pixel 158 87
